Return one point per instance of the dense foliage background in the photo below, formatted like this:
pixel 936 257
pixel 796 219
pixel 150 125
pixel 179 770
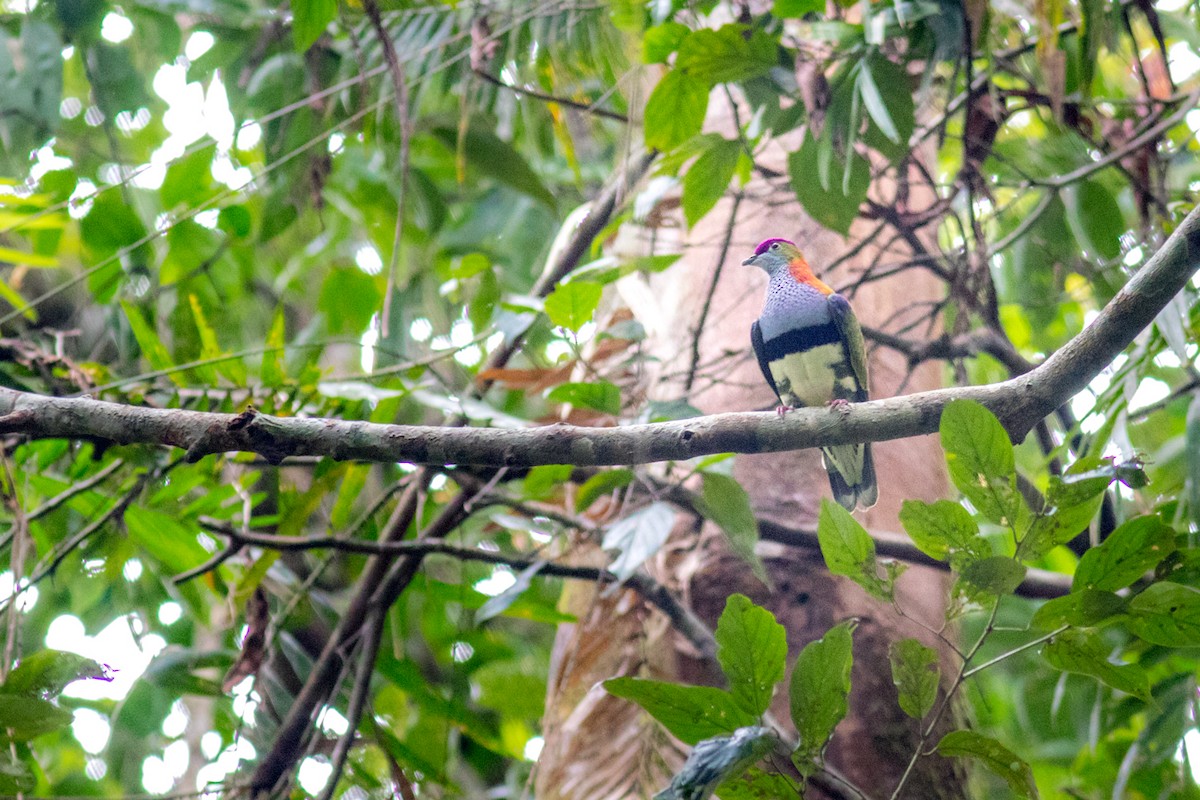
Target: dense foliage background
pixel 373 211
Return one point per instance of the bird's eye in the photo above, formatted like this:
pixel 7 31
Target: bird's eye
pixel 775 246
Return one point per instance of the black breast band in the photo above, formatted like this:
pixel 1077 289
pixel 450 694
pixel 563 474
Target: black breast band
pixel 800 340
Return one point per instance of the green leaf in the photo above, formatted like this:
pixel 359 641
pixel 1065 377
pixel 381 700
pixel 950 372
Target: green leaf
pixel 544 479
pixel 820 690
pixel 980 457
pixel 1083 608
pixel 708 177
pixel 1095 219
pixel 638 537
pixel 23 717
pixel 572 304
pixel 149 342
pixel 886 93
pixel 188 180
pixel 1085 653
pixel 916 674
pixel 1167 614
pixel 495 606
pixel 659 41
pixel 309 20
pixel 47 673
pixel 833 203
pixel 944 529
pixel 995 756
pixel 752 651
pixel 169 545
pixel 998 575
pixel 873 101
pixel 349 298
pixel 599 396
pixel 16 776
pixel 849 550
pixel 1129 552
pixel 725 502
pixel 498 159
pixel 118 84
pixel 600 484
pixel 725 55
pixel 784 9
pixel 675 111
pixel 272 370
pixel 1072 501
pixel 690 713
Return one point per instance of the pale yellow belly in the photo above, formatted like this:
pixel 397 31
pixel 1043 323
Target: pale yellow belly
pixel 810 378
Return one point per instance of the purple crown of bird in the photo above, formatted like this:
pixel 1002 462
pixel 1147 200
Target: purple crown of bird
pixel 811 351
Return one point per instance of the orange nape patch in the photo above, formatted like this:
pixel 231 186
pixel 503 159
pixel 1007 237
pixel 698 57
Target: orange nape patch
pixel 803 273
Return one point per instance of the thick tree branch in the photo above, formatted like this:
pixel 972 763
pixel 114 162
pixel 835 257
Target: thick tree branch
pixel 1019 403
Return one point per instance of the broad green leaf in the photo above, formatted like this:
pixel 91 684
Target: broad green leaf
pixel 272 370
pixel 235 220
pixel 16 776
pixel 1129 552
pixel 690 713
pixel 756 784
pixel 148 340
pixel 23 717
pixel 783 9
pixel 726 54
pixel 171 546
pixel 849 550
pixel 873 101
pixel 886 93
pixel 1167 614
pixel 47 672
pixel 1095 219
pixel 820 689
pixel 833 202
pixel 498 159
pixel 725 502
pixel 998 575
pixel 600 484
pixel 22 258
pixel 1085 653
pixel 189 180
pixel 995 756
pixel 349 298
pixel 544 479
pixel 14 299
pixel 708 177
pixel 1084 608
pixel 638 536
pixel 659 41
pixel 916 674
pixel 495 606
pixel 599 396
pixel 752 651
pixel 1071 503
pixel 572 305
pixel 979 455
pixel 209 348
pixel 675 111
pixel 309 20
pixel 944 529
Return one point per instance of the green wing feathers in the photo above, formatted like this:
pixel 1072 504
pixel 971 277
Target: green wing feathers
pixel 851 467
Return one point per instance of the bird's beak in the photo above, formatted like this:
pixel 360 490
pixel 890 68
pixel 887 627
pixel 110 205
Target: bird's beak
pixel 749 262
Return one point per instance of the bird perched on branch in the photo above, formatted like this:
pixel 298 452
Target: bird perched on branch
pixel 811 351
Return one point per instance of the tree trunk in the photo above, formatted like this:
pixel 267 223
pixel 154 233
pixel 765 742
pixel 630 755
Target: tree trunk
pixel 598 746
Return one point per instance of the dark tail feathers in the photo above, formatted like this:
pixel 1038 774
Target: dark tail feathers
pixel 862 494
